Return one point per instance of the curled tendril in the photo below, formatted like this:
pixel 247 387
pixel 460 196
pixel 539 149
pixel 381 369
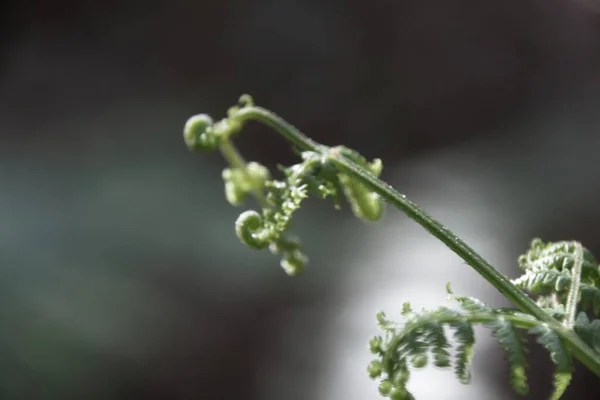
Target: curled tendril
pixel 246 100
pixel 279 199
pixel 198 133
pixel 249 229
pixel 202 133
pixel 293 260
pixel 269 229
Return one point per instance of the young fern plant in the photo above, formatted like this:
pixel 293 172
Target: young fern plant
pixel 549 272
pixel 563 278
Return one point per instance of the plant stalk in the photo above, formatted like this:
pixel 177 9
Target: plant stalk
pixel 575 283
pixel 516 296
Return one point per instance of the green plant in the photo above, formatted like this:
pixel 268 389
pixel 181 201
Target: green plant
pixel 563 277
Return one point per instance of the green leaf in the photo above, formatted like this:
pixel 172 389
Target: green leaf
pixel 561 382
pixel 588 331
pixel 559 355
pixel 514 343
pixel 590 298
pixel 436 338
pixel 553 343
pixel 465 336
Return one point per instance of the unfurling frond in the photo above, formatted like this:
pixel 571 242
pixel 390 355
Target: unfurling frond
pixel 588 331
pixel 559 354
pixel 562 275
pixel 513 341
pixel 548 274
pixel 422 336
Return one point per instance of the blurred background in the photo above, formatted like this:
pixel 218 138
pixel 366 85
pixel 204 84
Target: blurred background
pixel 121 276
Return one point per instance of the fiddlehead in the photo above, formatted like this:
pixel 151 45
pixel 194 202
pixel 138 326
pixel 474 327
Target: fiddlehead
pixel 279 199
pixel 249 229
pixel 202 133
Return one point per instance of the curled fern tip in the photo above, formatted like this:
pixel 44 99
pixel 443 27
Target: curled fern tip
pixel 197 135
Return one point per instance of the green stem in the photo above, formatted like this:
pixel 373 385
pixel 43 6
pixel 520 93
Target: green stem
pixel 231 155
pixel 235 159
pixel 287 130
pixel 480 318
pixel 515 295
pixel 575 283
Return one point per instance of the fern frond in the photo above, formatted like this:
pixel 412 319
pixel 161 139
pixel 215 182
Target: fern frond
pixel 435 337
pixel 588 331
pixel 561 382
pixel 515 344
pixel 423 334
pixel 465 337
pixel 553 343
pixel 564 276
pixel 548 273
pixel 559 355
pixel 540 281
pixel 590 298
pixel 511 339
pixel 557 255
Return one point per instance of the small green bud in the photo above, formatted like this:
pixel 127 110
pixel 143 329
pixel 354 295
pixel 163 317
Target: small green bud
pixel 537 244
pixel 246 100
pixel 419 361
pixel 293 263
pixel 239 182
pixel 233 194
pixel 375 369
pixel 406 308
pixel 383 323
pixel 385 387
pixel 400 394
pixel 235 187
pixel 376 167
pixel 375 345
pixel 258 173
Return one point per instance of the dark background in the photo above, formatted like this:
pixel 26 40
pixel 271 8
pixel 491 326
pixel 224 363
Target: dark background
pixel 121 276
